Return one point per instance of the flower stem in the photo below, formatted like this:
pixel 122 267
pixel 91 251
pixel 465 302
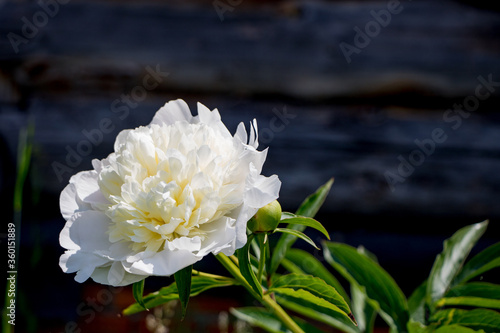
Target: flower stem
pixel 281 314
pixel 266 299
pixel 263 256
pixel 213 276
pixel 235 271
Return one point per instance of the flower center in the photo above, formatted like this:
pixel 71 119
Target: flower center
pixel 169 181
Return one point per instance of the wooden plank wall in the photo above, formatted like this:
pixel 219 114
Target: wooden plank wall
pixel 330 101
pixel 349 117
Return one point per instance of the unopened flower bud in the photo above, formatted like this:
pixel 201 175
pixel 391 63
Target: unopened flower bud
pixel 266 219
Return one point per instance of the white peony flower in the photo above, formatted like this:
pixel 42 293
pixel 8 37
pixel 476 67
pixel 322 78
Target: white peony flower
pixel 171 193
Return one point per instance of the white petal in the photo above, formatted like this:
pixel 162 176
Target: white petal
pixel 80 262
pixel 116 273
pixel 65 239
pixel 192 244
pixel 255 157
pixel 70 203
pixel 101 275
pixel 87 188
pixel 222 239
pixel 97 165
pixel 88 230
pixel 241 133
pixel 173 111
pixel 212 119
pixel 254 135
pixel 119 251
pixel 244 214
pixel 206 116
pixel 262 190
pixel 165 263
pixel 121 139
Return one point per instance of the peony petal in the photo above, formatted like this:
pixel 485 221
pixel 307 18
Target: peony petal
pixel 221 239
pixel 206 116
pixel 121 140
pixel 88 230
pixel 192 244
pixel 80 262
pixel 70 203
pixel 241 133
pixel 254 134
pixel 119 251
pixel 172 112
pixel 101 275
pixel 116 273
pixel 212 119
pixel 245 213
pixel 65 239
pixel 165 263
pixel 87 188
pixel 261 190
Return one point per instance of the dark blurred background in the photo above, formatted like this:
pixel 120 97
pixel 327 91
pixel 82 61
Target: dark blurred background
pixel 398 100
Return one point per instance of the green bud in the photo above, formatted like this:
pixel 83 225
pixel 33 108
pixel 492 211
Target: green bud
pixel 266 219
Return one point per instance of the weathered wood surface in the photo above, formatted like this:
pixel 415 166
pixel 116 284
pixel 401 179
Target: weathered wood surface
pixel 345 120
pixel 436 48
pixel 352 120
pixel 355 145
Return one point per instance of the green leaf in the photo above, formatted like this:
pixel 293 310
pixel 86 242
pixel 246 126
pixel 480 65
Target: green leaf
pixel 306 263
pixel 416 303
pixel 449 262
pixel 308 299
pixel 138 292
pixel 308 208
pixel 476 289
pixel 331 318
pixel 364 251
pixel 478 302
pixel 24 155
pixel 367 275
pixel 183 281
pixel 315 286
pixel 456 329
pixel 231 264
pixel 260 317
pixel 363 311
pixel 169 293
pixel 311 205
pixel 246 268
pixel 479 264
pixel 308 222
pixel 298 234
pixel 417 327
pixel 478 319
